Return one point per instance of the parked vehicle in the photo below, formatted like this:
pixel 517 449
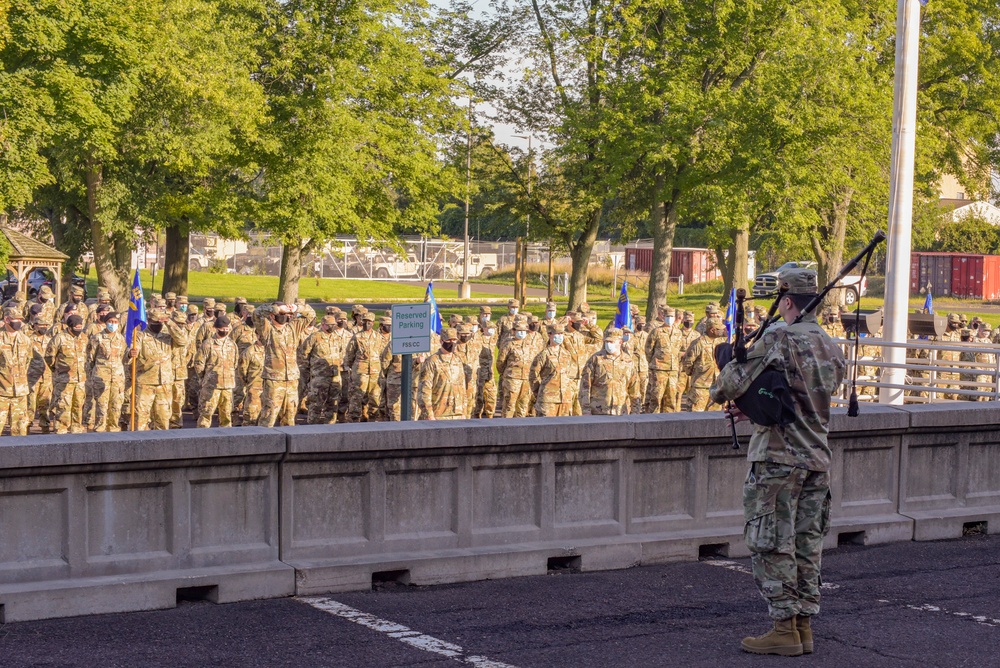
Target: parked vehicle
pixel 36 279
pixel 766 284
pixel 197 260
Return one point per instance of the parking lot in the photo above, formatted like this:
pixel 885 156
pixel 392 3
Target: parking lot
pixel 904 604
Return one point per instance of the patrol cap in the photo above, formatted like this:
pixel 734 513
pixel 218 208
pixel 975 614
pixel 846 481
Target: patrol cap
pixel 514 303
pixel 689 316
pixel 613 333
pixel 485 310
pixel 550 306
pixel 954 317
pixel 38 320
pixel 12 313
pixel 713 322
pixel 712 307
pixel 220 307
pixel 74 290
pixel 557 328
pixel 662 306
pixel 449 334
pixel 221 321
pixel 464 329
pixel 73 321
pixel 965 331
pixel 300 301
pixel 799 281
pixel 520 326
pixel 104 295
pixel 209 302
pixel 640 320
pixel 179 317
pixel 160 302
pixel 170 295
pixel 332 310
pixel 182 299
pixel 357 308
pixel 454 317
pixel 193 309
pixel 329 320
pixel 156 315
pixel 19 296
pixel 572 315
pixel 533 318
pixel 45 291
pixel 385 320
pixel 985 327
pixel 241 300
pixel 368 315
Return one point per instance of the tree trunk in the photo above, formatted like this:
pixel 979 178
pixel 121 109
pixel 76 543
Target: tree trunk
pixel 291 271
pixel 105 258
pixel 724 260
pixel 828 243
pixel 579 253
pixel 664 222
pixel 740 254
pixel 176 258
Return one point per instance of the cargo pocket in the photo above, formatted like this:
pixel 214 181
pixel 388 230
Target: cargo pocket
pixel 825 516
pixel 760 494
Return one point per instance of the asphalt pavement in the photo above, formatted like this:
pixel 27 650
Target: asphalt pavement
pixel 904 604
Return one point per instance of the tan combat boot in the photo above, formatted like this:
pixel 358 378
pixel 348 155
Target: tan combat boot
pixel 805 633
pixel 783 640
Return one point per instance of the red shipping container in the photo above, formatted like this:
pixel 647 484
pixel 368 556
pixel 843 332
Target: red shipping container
pixel 696 264
pixel 964 275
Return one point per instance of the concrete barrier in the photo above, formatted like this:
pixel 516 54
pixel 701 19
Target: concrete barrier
pixel 101 523
pixel 105 523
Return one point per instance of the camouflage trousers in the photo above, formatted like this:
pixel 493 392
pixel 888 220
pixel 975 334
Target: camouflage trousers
pixel 280 403
pixel 553 409
pixel 643 384
pixel 516 398
pixel 108 396
pixel 787 513
pixel 152 406
pixel 486 398
pixel 324 397
pixel 39 396
pixel 88 401
pixel 238 394
pixel 575 407
pixel 345 395
pixel 178 396
pixel 683 389
pixel 210 399
pixel 661 393
pixel 698 400
pixel 364 397
pixel 14 409
pixel 193 386
pixel 67 406
pixel 252 402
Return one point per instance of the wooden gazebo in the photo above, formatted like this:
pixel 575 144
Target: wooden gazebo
pixel 27 254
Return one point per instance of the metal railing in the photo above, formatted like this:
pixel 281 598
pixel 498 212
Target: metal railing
pixel 930 375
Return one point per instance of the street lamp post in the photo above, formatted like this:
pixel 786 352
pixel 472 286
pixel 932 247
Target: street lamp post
pixel 527 225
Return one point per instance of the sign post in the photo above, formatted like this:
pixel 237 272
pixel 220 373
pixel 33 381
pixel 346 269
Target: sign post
pixel 411 334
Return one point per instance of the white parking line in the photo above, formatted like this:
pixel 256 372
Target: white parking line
pixel 740 568
pixel 927 607
pixel 401 633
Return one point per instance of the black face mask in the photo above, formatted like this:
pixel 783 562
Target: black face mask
pixel 76 332
pixel 448 346
pixel 281 318
pixel 156 327
pixel 42 330
pixel 77 299
pixel 578 325
pixel 463 339
pixel 43 300
pixel 639 328
pixel 687 325
pixel 16 325
pixel 386 330
pixel 368 325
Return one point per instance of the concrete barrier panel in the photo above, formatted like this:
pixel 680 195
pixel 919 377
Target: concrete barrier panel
pixel 94 525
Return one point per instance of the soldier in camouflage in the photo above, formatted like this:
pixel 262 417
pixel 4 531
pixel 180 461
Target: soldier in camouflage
pixel 67 357
pixel 699 364
pixel 685 337
pixel 216 364
pixel 76 298
pixel 711 311
pixel 505 326
pixel 786 497
pixel 323 351
pixel 445 386
pixel 153 352
pixel 244 336
pixel 637 347
pixel 182 359
pixel 514 364
pixel 610 382
pixel 280 400
pixel 39 374
pixel 15 358
pixel 486 386
pixel 251 373
pixel 46 299
pixel 107 374
pixel 661 393
pixel 550 377
pixel 364 357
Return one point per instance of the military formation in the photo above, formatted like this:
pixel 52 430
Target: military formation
pixel 69 369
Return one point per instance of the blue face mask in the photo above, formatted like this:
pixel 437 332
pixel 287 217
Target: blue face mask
pixel 557 339
pixel 520 333
pixel 112 327
pixel 183 308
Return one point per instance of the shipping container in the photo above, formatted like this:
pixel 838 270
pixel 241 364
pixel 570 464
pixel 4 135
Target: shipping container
pixel 696 264
pixel 964 275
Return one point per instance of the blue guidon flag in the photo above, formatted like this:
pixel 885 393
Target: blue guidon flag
pixel 623 316
pixel 731 313
pixel 435 314
pixel 929 302
pixel 136 310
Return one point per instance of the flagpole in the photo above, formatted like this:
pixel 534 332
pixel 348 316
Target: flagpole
pixel 131 424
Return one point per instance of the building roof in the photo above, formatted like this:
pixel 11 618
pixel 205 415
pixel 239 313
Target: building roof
pixel 24 247
pixel 984 210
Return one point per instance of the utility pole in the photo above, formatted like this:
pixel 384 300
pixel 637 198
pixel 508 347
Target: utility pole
pixel 897 266
pixel 465 289
pixel 527 227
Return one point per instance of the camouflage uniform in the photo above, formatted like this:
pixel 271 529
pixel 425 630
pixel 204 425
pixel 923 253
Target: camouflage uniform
pixel 216 365
pixel 486 385
pixel 201 329
pixel 251 373
pixel 67 357
pixel 505 326
pixel 364 357
pixel 985 360
pixel 711 311
pixel 551 380
pixel 47 311
pixel 610 383
pixel 76 296
pixel 106 377
pixel 699 364
pixel 391 404
pixel 637 346
pixel 445 386
pixel 154 370
pixel 661 394
pixel 281 371
pixel 786 497
pixel 39 379
pixel 953 336
pixel 244 336
pixel 514 364
pixel 182 359
pixel 345 372
pixel 685 336
pixel 323 353
pixel 15 356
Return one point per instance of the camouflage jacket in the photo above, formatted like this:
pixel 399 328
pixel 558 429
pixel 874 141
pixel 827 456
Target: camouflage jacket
pixel 243 335
pixel 364 352
pixel 324 353
pixel 661 346
pixel 280 349
pixel 514 360
pixel 216 363
pixel 59 314
pixel 106 355
pixel 683 338
pixel 154 363
pixel 67 357
pixel 550 379
pixel 38 368
pixel 445 388
pixel 251 364
pixel 487 357
pixel 505 329
pixel 610 385
pixel 635 347
pixel 814 368
pixel 49 313
pixel 699 361
pixel 15 357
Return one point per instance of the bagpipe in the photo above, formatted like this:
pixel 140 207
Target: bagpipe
pixel 768 401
